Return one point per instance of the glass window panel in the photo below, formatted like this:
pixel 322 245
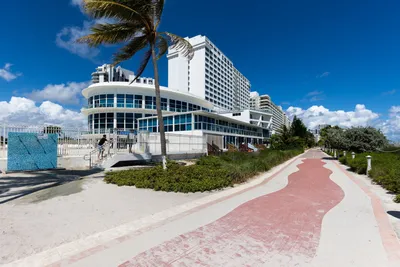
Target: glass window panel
pixel 129 101
pixel 120 101
pixel 138 101
pixel 172 105
pixel 110 100
pixel 184 107
pixel 120 120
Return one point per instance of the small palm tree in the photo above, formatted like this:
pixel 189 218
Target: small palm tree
pixel 135 23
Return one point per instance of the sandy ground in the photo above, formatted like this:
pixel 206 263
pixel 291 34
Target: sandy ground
pixel 48 218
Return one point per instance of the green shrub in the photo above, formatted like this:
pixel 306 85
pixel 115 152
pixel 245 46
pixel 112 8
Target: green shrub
pixel 397 199
pixel 209 173
pixel 385 169
pixel 343 160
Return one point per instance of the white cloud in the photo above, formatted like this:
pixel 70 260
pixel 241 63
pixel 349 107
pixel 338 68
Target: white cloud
pixel 6 73
pixel 21 110
pixel 391 92
pixel 67 37
pixel 76 2
pixel 391 127
pixel 314 96
pixel 69 93
pixel 325 74
pixel 317 115
pixel 315 93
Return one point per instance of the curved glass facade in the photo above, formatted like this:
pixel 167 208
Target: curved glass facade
pixel 100 122
pixel 140 101
pixel 188 122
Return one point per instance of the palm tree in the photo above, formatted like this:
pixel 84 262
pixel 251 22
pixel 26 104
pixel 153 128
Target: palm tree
pixel 135 23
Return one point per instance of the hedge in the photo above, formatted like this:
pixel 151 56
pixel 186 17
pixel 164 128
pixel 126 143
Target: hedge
pixel 209 173
pixel 385 169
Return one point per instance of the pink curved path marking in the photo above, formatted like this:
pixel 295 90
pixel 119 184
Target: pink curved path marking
pixel 286 222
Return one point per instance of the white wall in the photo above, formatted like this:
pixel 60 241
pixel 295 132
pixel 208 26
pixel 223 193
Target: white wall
pixel 197 74
pixel 178 73
pixel 244 115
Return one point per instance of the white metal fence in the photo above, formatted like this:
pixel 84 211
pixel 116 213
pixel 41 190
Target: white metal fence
pixel 71 141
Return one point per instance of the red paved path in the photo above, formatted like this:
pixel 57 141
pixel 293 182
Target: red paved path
pixel 287 222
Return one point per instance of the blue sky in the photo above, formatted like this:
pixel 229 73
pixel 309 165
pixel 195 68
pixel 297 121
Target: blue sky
pixel 329 54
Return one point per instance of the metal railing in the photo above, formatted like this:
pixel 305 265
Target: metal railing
pixel 72 142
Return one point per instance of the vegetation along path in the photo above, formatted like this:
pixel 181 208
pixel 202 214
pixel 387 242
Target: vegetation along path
pixel 312 212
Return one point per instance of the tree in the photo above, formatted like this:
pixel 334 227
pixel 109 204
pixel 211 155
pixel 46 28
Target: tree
pixel 284 140
pixel 298 128
pixel 135 24
pixel 335 138
pixel 363 139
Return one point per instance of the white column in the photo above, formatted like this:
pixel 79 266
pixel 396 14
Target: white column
pixel 369 166
pixel 115 120
pixel 115 100
pixel 353 155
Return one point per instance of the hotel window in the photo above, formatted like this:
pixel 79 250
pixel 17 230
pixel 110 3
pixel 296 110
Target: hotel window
pixel 90 121
pixel 150 102
pixel 183 122
pixel 137 116
pixel 172 105
pixel 110 120
pixel 164 103
pixel 120 101
pixel 129 101
pixel 169 124
pixel 110 101
pixel 96 101
pixel 102 101
pixel 129 121
pixel 184 107
pixel 178 106
pixel 121 121
pixel 96 121
pixel 138 101
pixel 90 102
pixel 102 121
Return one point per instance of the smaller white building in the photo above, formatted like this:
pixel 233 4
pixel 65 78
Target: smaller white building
pixel 264 103
pixel 255 117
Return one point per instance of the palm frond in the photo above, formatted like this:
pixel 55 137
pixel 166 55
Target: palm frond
pixel 180 44
pixel 111 33
pixel 159 8
pixel 143 64
pixel 130 49
pixel 123 10
pixel 162 46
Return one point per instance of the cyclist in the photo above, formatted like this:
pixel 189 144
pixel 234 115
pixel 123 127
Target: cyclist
pixel 100 146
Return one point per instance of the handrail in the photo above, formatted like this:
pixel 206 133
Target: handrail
pixel 107 149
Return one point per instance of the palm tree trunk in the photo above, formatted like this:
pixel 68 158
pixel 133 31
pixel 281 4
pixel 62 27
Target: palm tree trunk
pixel 159 111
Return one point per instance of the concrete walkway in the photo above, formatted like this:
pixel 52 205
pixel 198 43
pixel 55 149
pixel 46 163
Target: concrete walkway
pixel 308 212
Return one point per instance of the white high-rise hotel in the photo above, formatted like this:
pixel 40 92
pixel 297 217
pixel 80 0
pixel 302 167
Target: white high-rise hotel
pixel 206 97
pixel 210 75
